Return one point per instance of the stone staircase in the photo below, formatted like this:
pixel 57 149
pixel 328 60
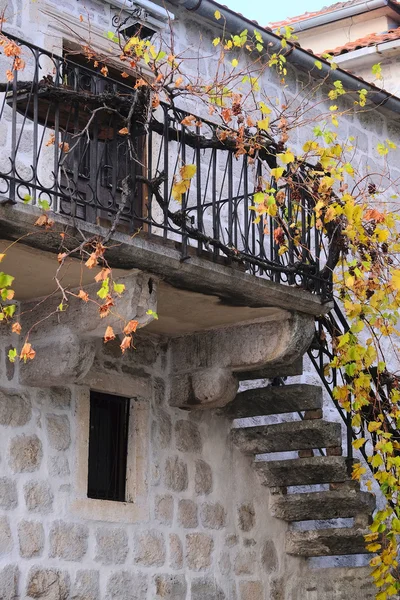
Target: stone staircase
pixel 318 444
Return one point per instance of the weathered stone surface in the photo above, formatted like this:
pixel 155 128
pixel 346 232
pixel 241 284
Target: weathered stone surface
pixel 248 542
pixel 9 578
pixel 15 409
pixel 124 585
pixel 6 542
pixel 150 549
pixel 38 496
pixel 251 590
pixel 162 430
pixel 336 583
pixel 285 437
pixel 269 557
pixel 31 538
pixel 25 454
pixel 231 540
pixel 8 493
pixel 322 505
pixel 47 584
pixel 274 400
pixel 187 514
pixel 199 548
pixel 86 586
pixel 68 540
pixel 212 515
pixel 326 542
pixel 170 587
pixel 205 588
pixel 203 389
pixel 58 431
pixel 203 480
pixel 302 471
pixel 245 562
pixel 246 517
pixel 111 546
pixel 224 564
pixel 176 474
pixel 188 438
pixel 55 397
pixel 164 509
pixel 175 551
pixel 58 466
pixel 277 588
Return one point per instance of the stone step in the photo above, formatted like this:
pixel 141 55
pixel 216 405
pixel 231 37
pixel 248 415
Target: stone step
pixel 340 504
pixel 286 437
pixel 303 471
pixel 274 400
pixel 326 542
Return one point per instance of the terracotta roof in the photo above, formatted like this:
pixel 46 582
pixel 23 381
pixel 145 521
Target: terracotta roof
pixel 310 15
pixel 368 40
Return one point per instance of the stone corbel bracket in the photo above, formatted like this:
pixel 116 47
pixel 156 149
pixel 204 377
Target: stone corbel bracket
pixel 65 343
pixel 204 366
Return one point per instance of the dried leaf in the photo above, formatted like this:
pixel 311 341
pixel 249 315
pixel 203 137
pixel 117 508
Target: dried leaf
pixel 131 327
pixel 91 261
pixel 123 131
pixel 16 328
pixel 83 295
pixel 27 352
pixel 126 343
pixel 102 275
pixel 109 334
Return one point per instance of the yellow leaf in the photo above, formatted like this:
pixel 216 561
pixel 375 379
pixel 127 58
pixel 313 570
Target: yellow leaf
pixel 396 279
pixel 286 157
pixel 373 547
pixel 216 41
pixel 217 15
pixel 264 124
pixel 277 174
pixel 188 171
pixel 358 443
pixel 1 257
pixel 235 62
pixel 374 426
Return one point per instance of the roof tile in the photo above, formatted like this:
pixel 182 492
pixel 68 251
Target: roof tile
pixel 371 39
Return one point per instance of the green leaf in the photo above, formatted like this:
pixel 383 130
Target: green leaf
pixel 12 354
pixel 104 290
pixel 152 313
pixel 44 204
pixel 27 198
pixel 5 280
pixel 119 288
pixel 10 310
pixel 318 64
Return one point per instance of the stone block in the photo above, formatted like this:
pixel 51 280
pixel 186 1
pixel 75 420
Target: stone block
pixel 31 539
pixel 38 496
pixel 111 546
pixel 9 579
pixel 162 430
pixel 187 514
pixel 86 586
pixel 203 480
pixel 164 509
pixel 231 540
pixel 25 453
pixel 47 584
pixel 58 431
pixel 55 397
pixel 212 515
pixel 68 541
pixel 245 562
pixel 251 590
pixel 58 466
pixel 205 588
pixel 15 409
pixel 8 493
pixel 199 548
pixel 170 587
pixel 246 517
pixel 224 564
pixel 176 474
pixel 175 551
pixel 125 585
pixel 6 541
pixel 150 549
pixel 187 436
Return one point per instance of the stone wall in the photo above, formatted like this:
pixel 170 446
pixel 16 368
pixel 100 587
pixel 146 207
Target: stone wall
pixel 207 533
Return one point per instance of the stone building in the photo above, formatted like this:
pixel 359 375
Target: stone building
pixel 162 473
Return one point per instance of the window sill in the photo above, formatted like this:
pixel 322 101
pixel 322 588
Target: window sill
pixel 106 510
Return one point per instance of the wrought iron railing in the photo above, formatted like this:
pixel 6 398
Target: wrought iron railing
pixel 66 145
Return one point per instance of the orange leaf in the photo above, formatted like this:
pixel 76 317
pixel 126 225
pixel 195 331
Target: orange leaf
pixel 43 221
pixel 91 261
pixel 27 352
pixel 104 71
pixel 1 257
pixel 189 120
pixel 126 343
pixel 123 131
pixel 16 328
pixel 83 295
pixel 109 335
pixel 124 75
pixel 102 275
pixel 131 327
pixel 10 294
pixel 61 256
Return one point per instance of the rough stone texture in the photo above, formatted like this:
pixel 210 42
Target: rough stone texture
pixel 68 541
pixel 15 409
pixel 6 542
pixel 203 481
pixel 205 588
pixel 187 514
pixel 9 578
pixel 25 453
pixel 38 496
pixel 251 590
pixel 162 431
pixel 224 564
pixel 246 517
pixel 170 587
pixel 164 509
pixel 302 471
pixel 269 557
pixel 58 431
pixel 111 546
pixel 277 588
pixel 188 438
pixel 58 466
pixel 31 538
pixel 245 563
pixel 231 540
pixel 124 585
pixel 326 542
pixel 212 515
pixel 175 551
pixel 199 547
pixel 150 549
pixel 86 586
pixel 60 397
pixel 8 493
pixel 47 584
pixel 176 474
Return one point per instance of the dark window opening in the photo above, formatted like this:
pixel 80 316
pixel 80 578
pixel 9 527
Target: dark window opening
pixel 108 446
